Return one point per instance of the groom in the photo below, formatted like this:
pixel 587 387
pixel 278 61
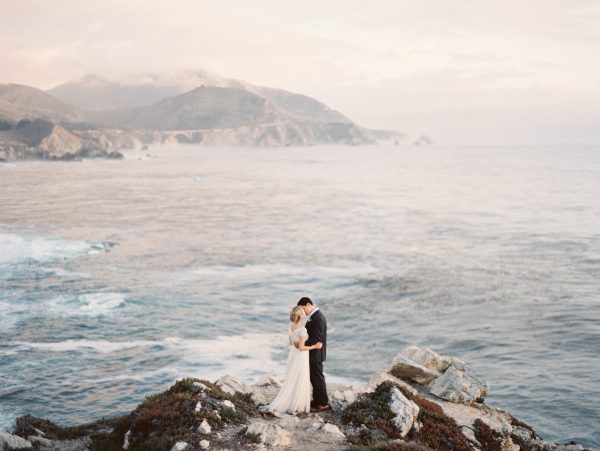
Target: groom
pixel 316 325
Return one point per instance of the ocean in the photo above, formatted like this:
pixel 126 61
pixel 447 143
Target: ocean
pixel 118 277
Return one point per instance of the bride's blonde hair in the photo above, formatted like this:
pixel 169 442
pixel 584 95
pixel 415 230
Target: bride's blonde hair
pixel 296 313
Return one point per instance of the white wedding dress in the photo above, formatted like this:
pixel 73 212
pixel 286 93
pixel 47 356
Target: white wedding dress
pixel 294 396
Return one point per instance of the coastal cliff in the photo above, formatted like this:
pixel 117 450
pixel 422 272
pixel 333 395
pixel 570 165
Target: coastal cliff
pixel 96 118
pixel 423 401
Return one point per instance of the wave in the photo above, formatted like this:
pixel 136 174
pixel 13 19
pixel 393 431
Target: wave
pixel 247 356
pixel 100 346
pixel 20 248
pixel 89 305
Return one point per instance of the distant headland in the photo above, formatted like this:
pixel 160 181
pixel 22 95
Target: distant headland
pixel 95 117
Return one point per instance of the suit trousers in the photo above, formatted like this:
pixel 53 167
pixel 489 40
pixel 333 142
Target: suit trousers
pixel 317 380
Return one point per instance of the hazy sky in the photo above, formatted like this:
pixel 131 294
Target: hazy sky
pixel 463 71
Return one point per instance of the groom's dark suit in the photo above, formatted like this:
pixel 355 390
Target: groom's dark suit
pixel 317 332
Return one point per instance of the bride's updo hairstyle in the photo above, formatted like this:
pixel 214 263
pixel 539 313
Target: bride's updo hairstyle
pixel 296 313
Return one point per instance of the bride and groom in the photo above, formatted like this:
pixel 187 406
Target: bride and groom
pixel 307 336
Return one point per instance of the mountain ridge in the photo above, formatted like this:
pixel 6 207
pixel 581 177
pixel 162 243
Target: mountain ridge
pixel 193 107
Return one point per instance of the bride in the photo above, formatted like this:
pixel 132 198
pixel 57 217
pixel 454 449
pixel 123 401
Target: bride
pixel 294 396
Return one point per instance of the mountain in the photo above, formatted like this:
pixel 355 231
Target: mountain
pixel 200 108
pixel 93 116
pixel 20 101
pixel 94 93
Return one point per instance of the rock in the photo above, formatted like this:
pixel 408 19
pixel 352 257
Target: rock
pixel 310 423
pixel 200 385
pixel 126 439
pixel 258 398
pixel 8 441
pixel 332 429
pixel 508 445
pixel 204 427
pixel 198 407
pixel 379 378
pixel 427 358
pixel 405 411
pixel 406 368
pixel 231 385
pixel 204 444
pixel 114 155
pixel 227 403
pixel 465 415
pixel 468 432
pixel 458 385
pixel 267 379
pixel 269 434
pixel 340 400
pixel 41 440
pixel 180 446
pixel 288 421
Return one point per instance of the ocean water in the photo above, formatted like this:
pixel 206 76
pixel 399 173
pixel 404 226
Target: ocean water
pixel 117 277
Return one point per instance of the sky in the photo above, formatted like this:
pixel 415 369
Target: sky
pixel 466 72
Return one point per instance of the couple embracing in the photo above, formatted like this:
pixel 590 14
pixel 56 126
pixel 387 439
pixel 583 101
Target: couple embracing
pixel 307 336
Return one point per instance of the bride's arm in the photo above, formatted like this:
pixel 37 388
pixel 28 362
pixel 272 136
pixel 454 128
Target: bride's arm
pixel 302 347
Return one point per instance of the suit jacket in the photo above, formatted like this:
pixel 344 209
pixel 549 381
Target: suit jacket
pixel 317 332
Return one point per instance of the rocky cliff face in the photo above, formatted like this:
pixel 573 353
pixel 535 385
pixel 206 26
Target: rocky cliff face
pixel 93 117
pixel 42 139
pixel 423 402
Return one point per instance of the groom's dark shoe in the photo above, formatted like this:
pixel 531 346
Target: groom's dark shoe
pixel 320 408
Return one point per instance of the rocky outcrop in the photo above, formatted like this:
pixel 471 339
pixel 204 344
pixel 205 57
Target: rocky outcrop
pixel 404 410
pixel 43 139
pixel 387 413
pixel 10 441
pixel 459 385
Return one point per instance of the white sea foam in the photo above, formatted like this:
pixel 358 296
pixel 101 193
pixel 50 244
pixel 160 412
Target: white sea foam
pixel 17 248
pixel 101 346
pixel 89 305
pixel 246 356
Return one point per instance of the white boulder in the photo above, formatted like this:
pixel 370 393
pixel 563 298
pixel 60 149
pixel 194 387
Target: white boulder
pixel 270 434
pixel 267 379
pixel 180 446
pixel 406 368
pixel 200 385
pixel 428 358
pixel 259 398
pixel 341 399
pixel 227 403
pixel 8 441
pixel 204 444
pixel 41 440
pixel 204 427
pixel 230 384
pixel 458 385
pixel 405 411
pixel 332 429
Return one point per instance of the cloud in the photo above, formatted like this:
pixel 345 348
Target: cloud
pixel 386 63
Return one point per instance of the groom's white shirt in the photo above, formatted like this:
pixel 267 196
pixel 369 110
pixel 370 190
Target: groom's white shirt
pixel 307 319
